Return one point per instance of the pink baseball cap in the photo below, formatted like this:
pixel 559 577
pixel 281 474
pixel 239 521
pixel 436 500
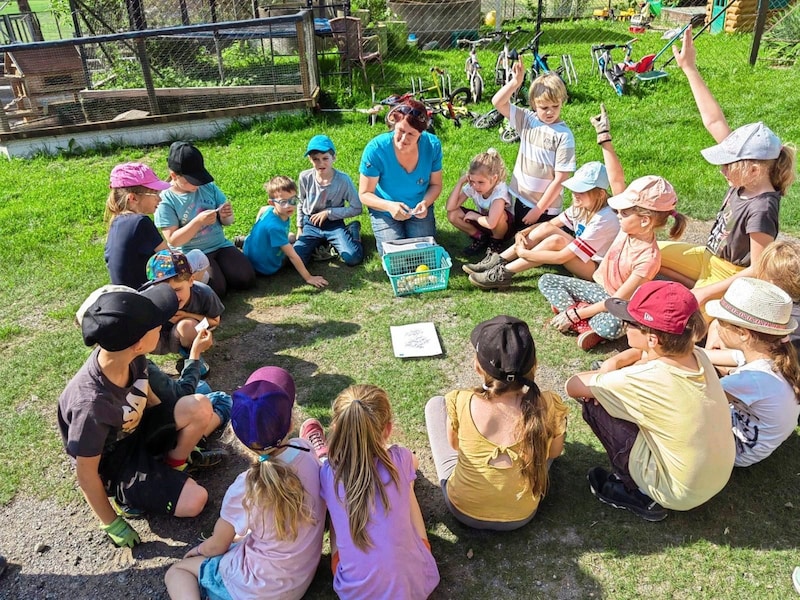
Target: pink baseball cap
pixel 133 174
pixel 650 191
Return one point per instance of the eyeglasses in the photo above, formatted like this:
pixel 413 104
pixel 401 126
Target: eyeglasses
pixel 287 202
pixel 418 118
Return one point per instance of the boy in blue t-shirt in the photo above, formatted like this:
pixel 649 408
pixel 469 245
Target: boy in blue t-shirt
pixel 270 243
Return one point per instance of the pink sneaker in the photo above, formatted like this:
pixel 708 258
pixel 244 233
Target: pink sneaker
pixel 312 431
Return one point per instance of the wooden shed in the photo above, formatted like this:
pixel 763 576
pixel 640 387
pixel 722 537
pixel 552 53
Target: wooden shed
pixel 42 76
pixel 741 16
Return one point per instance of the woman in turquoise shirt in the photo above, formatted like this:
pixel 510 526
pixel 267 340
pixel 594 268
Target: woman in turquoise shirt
pixel 401 176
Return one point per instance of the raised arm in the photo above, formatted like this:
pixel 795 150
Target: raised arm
pixel 502 99
pixel 602 126
pixel 710 110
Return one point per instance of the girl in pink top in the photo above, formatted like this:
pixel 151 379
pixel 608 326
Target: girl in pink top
pixel 273 510
pixel 632 260
pixel 379 546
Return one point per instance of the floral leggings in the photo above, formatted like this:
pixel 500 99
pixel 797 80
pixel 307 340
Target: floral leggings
pixel 562 292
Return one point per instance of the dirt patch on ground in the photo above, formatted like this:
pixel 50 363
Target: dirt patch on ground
pixel 57 551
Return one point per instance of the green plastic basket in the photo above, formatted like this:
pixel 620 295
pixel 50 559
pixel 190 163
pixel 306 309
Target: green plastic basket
pixel 401 267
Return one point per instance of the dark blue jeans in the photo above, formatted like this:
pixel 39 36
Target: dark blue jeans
pixel 332 232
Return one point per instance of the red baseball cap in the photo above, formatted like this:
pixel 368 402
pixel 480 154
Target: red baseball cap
pixel 662 305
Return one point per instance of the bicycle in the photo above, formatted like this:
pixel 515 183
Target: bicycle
pixel 502 75
pixel 473 68
pixel 612 71
pixel 448 102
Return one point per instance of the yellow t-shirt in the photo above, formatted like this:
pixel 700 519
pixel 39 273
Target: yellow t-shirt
pixel 684 452
pixel 480 490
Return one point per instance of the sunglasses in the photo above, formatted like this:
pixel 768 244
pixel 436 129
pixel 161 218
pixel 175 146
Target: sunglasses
pixel 625 212
pixel 287 202
pixel 418 118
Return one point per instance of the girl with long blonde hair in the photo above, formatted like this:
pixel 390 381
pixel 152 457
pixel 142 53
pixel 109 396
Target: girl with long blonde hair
pixel 274 507
pixel 379 546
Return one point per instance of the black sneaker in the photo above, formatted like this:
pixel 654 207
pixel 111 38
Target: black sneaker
pixel 202 459
pixel 238 241
pixel 492 259
pixel 496 277
pixel 125 511
pixel 609 489
pixel 477 246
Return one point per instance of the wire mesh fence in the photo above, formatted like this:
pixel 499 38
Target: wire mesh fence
pixel 133 59
pixel 160 63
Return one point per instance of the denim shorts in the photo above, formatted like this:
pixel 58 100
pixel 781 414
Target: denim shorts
pixel 210 580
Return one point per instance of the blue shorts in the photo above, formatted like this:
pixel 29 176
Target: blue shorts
pixel 211 584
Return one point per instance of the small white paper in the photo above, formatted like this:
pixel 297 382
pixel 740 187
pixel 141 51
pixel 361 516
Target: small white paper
pixel 417 339
pixel 201 325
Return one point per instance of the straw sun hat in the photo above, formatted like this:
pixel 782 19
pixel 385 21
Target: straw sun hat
pixel 756 305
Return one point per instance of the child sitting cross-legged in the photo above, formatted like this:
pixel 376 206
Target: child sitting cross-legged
pixel 267 541
pixel 493 445
pixel 632 260
pixel 492 220
pixel 196 301
pixel 327 198
pixel 662 417
pixel 379 546
pixel 269 243
pixel 755 318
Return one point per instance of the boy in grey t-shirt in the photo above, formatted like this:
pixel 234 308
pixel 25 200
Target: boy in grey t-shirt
pixel 327 197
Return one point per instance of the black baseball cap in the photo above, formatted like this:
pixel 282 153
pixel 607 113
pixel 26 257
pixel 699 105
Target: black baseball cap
pixel 504 347
pixel 184 159
pixel 117 320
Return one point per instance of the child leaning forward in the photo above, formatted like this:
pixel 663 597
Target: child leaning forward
pixel 663 419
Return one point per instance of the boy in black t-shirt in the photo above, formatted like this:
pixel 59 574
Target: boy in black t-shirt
pixel 123 440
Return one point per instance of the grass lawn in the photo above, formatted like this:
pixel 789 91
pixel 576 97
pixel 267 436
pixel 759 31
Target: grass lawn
pixel 742 544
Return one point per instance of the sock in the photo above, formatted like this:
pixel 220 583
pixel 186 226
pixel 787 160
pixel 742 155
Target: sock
pixel 179 464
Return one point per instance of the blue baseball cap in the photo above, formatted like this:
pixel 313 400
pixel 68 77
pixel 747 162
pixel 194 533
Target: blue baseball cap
pixel 320 143
pixel 591 175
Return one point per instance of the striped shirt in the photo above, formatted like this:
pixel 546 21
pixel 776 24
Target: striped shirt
pixel 543 150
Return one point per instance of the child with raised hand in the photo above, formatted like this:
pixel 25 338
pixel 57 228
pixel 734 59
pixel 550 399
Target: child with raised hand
pixel 592 222
pixel 132 236
pixel 632 260
pixel 493 444
pixel 196 302
pixel 273 510
pixel 327 198
pixel 754 319
pixel 269 243
pixel 758 169
pixel 192 214
pixel 546 154
pixel 379 546
pixel 664 422
pixel 492 220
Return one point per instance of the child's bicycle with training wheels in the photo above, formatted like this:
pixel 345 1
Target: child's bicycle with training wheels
pixel 448 102
pixel 472 67
pixel 613 71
